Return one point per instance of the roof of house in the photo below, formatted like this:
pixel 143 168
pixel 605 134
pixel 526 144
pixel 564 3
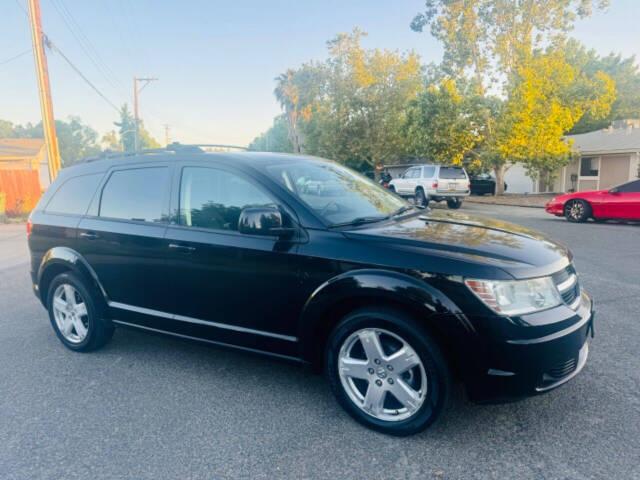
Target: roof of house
pixel 607 140
pixel 20 148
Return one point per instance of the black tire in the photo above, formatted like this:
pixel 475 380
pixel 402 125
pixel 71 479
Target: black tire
pixel 438 375
pixel 577 211
pixel 454 203
pixel 392 188
pixel 99 329
pixel 420 199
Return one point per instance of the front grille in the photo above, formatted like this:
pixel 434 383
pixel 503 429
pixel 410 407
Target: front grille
pixel 561 370
pixel 568 290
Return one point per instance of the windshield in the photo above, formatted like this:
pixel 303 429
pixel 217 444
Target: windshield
pixel 337 194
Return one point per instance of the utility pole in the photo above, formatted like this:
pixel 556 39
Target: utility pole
pixel 44 88
pixel 166 134
pixel 135 105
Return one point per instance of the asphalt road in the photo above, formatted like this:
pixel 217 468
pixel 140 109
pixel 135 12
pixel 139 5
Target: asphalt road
pixel 151 407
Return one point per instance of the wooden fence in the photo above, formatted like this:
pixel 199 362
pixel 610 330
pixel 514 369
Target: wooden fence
pixel 21 189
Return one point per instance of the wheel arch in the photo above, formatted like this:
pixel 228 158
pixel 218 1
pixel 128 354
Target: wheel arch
pixel 344 293
pixel 63 259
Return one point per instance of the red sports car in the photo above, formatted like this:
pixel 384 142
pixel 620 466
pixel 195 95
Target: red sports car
pixel 621 202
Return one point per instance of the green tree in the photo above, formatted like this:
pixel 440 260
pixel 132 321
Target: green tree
pixel 360 106
pixel 501 42
pixel 623 71
pixel 275 139
pixel 127 129
pixel 75 140
pixel 446 124
pixel 127 132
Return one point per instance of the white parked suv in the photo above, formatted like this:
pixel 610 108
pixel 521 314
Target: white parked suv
pixel 427 183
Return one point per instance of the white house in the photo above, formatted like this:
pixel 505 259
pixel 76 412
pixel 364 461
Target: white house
pixel 607 158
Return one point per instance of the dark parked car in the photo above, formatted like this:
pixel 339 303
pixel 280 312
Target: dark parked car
pixel 483 183
pixel 304 259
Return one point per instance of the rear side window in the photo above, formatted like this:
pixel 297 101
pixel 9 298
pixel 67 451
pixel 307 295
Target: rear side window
pixel 137 194
pixel 452 173
pixel 631 187
pixel 74 195
pixel 428 172
pixel 212 198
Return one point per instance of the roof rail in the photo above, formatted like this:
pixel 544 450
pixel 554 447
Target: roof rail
pixel 174 147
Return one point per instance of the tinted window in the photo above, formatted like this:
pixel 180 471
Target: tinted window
pixel 588 167
pixel 413 173
pixel 136 194
pixel 428 172
pixel 631 187
pixel 212 198
pixel 452 172
pixel 74 195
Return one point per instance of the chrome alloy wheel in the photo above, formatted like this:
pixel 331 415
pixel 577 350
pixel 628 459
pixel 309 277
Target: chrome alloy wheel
pixel 382 374
pixel 70 313
pixel 576 210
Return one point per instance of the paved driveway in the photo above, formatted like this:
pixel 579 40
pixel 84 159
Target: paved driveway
pixel 153 407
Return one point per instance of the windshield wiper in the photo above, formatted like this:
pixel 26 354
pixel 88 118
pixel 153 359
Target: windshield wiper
pixel 360 221
pixel 404 209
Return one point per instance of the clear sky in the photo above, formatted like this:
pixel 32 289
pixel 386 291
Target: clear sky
pixel 216 60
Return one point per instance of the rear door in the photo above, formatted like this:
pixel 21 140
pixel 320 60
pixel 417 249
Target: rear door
pixel 231 287
pixel 122 237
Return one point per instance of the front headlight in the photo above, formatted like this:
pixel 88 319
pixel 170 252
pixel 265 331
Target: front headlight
pixel 516 297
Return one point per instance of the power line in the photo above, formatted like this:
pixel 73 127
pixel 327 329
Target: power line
pixel 21 7
pixel 15 57
pixel 53 47
pixel 84 43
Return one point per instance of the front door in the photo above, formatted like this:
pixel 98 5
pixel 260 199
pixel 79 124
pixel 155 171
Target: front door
pixel 234 288
pixel 624 203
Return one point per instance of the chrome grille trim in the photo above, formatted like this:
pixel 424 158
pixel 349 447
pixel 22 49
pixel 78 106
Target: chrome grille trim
pixel 567 284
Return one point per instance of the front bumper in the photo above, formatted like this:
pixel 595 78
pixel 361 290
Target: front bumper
pixel 555 208
pixel 516 368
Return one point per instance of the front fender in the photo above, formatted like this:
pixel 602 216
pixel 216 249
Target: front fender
pixel 60 259
pixel 369 286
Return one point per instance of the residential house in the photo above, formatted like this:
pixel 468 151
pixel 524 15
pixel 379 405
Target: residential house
pixel 25 154
pixel 606 158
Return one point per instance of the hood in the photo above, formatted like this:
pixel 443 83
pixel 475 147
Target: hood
pixel 582 194
pixel 518 251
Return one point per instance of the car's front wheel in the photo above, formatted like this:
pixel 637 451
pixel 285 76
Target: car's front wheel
pixel 386 371
pixel 577 210
pixel 75 315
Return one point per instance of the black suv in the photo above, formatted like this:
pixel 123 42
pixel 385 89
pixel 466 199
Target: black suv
pixel 304 259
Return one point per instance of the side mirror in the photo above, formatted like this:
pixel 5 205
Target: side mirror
pixel 614 191
pixel 263 221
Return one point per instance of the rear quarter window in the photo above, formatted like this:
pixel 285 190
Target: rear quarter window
pixel 74 195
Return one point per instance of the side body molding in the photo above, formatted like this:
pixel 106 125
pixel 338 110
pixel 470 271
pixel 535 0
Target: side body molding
pixel 394 287
pixel 69 258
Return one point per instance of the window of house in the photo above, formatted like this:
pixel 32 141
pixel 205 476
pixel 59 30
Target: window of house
pixel 137 194
pixel 213 198
pixel 589 167
pixel 73 197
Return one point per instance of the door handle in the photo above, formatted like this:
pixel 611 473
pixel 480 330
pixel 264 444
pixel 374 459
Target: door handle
pixel 182 248
pixel 90 235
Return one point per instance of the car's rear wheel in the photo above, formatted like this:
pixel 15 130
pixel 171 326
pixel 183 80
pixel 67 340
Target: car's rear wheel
pixel 75 316
pixel 420 199
pixel 577 211
pixel 454 203
pixel 387 372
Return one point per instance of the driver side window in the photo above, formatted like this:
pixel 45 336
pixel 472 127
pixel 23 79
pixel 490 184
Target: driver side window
pixel 213 198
